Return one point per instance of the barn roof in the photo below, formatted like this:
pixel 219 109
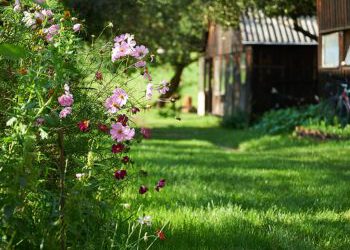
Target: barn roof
pixel 257 28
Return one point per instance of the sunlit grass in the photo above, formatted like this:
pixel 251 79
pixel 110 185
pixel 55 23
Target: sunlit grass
pixel 237 189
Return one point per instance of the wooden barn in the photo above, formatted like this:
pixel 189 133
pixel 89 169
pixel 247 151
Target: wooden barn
pixel 334 43
pixel 264 63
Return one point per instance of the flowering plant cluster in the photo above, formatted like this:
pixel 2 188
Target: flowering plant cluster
pixel 70 128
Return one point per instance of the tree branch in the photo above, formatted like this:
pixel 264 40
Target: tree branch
pixel 300 29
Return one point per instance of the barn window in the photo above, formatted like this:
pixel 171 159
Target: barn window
pixel 330 50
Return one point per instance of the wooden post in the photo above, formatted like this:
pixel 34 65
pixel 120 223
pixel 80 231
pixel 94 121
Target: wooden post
pixel 201 88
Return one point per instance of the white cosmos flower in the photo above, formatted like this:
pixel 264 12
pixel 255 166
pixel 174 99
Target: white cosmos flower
pixel 145 220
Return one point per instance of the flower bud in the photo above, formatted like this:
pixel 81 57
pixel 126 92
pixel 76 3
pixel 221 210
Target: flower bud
pixel 145 237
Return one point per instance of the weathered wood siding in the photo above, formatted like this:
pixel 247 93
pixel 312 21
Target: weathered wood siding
pixel 239 77
pixel 333 15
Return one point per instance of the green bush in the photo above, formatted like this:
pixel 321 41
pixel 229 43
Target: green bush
pixel 61 184
pixel 285 120
pixel 239 120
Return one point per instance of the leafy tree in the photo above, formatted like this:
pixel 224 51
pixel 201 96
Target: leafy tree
pixel 291 8
pixel 179 28
pixel 176 27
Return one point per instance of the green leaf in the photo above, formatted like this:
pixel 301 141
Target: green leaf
pixel 12 52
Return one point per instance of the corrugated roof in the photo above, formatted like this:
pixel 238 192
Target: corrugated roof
pixel 257 28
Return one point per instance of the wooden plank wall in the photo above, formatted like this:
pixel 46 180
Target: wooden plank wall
pixel 333 15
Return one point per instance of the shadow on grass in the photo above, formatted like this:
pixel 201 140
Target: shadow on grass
pixel 229 138
pixel 291 176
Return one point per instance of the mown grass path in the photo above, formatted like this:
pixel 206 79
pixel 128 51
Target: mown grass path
pixel 231 189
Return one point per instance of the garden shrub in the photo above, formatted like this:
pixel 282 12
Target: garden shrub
pixel 67 131
pixel 285 120
pixel 239 120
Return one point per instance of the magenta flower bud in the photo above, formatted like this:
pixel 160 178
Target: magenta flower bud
pixel 83 125
pixel 117 148
pixel 99 76
pixel 143 189
pixel 146 133
pixel 103 128
pixel 120 174
pixel 125 159
pixel 123 119
pixel 160 184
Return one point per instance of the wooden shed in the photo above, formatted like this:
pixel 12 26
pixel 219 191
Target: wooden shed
pixel 334 43
pixel 262 64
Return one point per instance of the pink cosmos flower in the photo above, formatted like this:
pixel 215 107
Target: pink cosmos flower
pixel 77 27
pixel 140 64
pixel 84 125
pixel 143 189
pixel 129 133
pixel 120 174
pixel 146 133
pixel 65 112
pixel 120 38
pixel 47 13
pixel 43 14
pixel 120 50
pixel 49 38
pixel 66 100
pixel 163 87
pixel 140 52
pixel 149 90
pixel 121 133
pixel 53 29
pixel 116 101
pixel 128 38
pixel 51 32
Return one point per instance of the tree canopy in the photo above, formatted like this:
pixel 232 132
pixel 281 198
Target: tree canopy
pixel 177 28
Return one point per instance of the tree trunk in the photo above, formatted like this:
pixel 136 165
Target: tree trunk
pixel 174 84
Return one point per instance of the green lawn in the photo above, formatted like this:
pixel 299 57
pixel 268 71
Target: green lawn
pixel 231 189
